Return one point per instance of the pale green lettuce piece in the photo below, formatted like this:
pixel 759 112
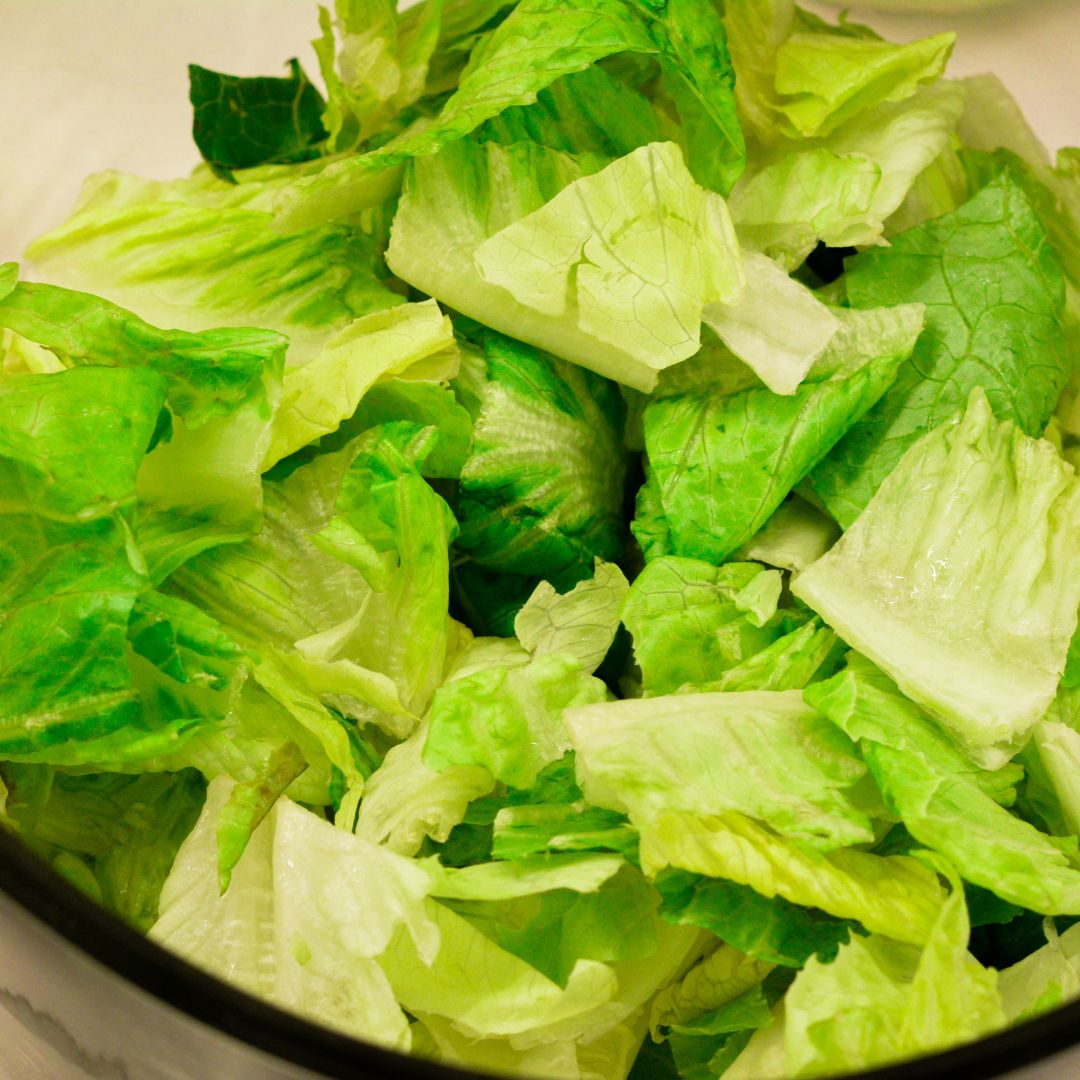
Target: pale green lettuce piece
pixel 943 800
pixel 796 535
pixel 1058 747
pixel 581 623
pixel 406 800
pixel 541 491
pixel 685 602
pixel 893 895
pixel 539 42
pixel 200 484
pixel 719 978
pixel 508 720
pixel 309 911
pixel 765 754
pixel 1045 979
pixel 374 66
pixel 529 876
pixel 396 530
pixel 824 79
pixel 618 266
pixel 70 570
pixel 789 663
pixel 880 1001
pixel 319 396
pixel 721 463
pixel 778 328
pixel 994 297
pixel 956 579
pixel 692 621
pixel 200 253
pixel 844 190
pixel 122 830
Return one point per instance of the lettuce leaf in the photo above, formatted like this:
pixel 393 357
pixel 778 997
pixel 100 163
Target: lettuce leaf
pixel 541 491
pixel 70 571
pixel 994 297
pixel 943 800
pixel 894 895
pixel 241 122
pixel 723 462
pixel 955 579
pixel 764 754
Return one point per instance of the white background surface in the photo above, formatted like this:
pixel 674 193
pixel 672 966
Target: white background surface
pixel 93 84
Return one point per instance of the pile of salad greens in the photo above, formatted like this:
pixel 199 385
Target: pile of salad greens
pixel 587 585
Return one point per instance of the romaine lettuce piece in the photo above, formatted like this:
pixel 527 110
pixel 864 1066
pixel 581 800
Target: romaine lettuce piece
pixel 309 910
pixel 200 485
pixel 994 297
pixel 318 397
pixel 242 122
pixel 581 623
pixel 541 492
pixel 124 830
pixel 844 190
pixel 374 66
pixel 770 929
pixel 894 895
pixel 943 800
pixel 765 754
pixel 618 265
pixel 692 621
pixel 723 462
pixel 70 570
pixel 538 43
pixel 880 1001
pixel 822 80
pixel 796 535
pixel 508 720
pixel 200 253
pixel 957 580
pixel 1045 979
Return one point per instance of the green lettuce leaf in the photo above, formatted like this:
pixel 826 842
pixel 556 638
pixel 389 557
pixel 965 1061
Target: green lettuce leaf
pixel 848 188
pixel 318 397
pixel 893 895
pixel 124 830
pixel 724 462
pixel 275 931
pixel 943 800
pixel 766 755
pixel 241 122
pixel 821 80
pixel 69 568
pixel 772 930
pixel 508 720
pixel 994 297
pixel 374 66
pixel 581 623
pixel 691 621
pixel 956 579
pixel 526 505
pixel 796 535
pixel 539 42
pixel 1045 979
pixel 200 253
pixel 879 1001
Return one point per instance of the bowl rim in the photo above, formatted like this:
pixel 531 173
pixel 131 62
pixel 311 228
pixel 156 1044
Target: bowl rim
pixel 50 900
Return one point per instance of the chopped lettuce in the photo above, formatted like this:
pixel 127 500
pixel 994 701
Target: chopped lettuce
pixel 955 579
pixel 436 534
pixel 994 296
